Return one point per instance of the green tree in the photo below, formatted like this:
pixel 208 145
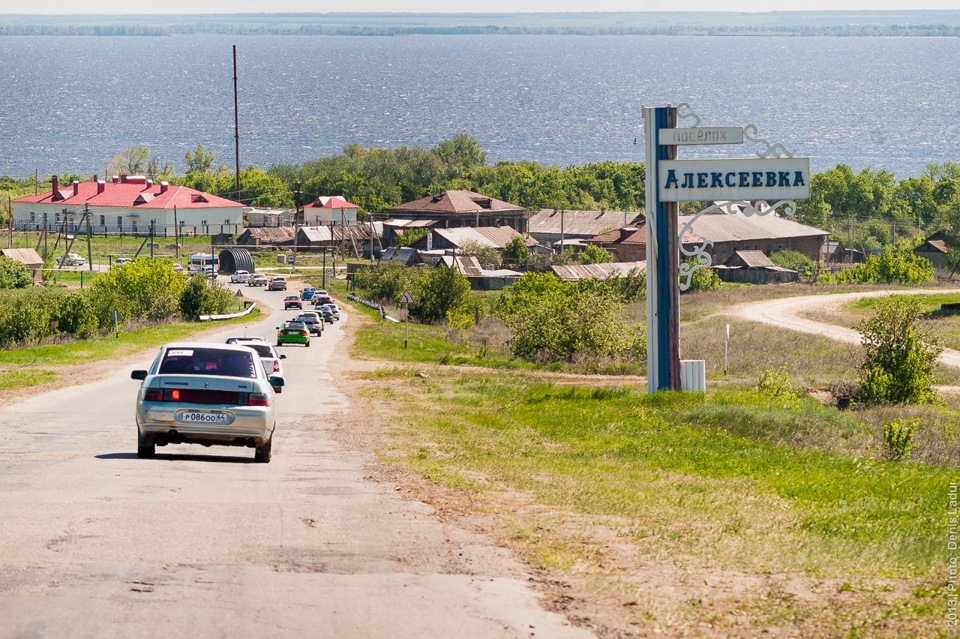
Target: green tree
pixel 200 160
pixel 145 289
pixel 900 354
pixel 202 296
pixel 488 256
pixel 441 291
pixel 593 254
pixel 13 274
pixel 516 253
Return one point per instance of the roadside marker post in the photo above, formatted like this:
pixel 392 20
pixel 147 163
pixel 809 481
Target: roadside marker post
pixel 728 185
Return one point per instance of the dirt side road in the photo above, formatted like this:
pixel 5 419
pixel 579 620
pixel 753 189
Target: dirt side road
pixel 204 543
pixel 786 313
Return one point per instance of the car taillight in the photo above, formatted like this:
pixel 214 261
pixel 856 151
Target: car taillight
pixel 153 395
pixel 303 333
pixel 276 366
pixel 258 399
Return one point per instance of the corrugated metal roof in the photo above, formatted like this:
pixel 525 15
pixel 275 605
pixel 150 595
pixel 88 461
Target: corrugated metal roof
pixel 576 272
pixel 736 227
pixel 581 223
pixel 754 259
pixel 136 195
pixel 27 256
pixel 493 236
pixel 396 222
pixel 330 202
pixel 270 232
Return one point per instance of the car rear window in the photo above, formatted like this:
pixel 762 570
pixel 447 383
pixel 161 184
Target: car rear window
pixel 208 361
pixel 265 350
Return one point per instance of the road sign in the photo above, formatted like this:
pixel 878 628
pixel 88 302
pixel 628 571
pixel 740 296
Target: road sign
pixel 407 298
pixel 734 179
pixel 702 135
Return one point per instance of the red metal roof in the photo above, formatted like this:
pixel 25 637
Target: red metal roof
pixel 131 194
pixel 330 202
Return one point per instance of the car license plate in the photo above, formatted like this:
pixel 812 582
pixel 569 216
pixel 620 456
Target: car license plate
pixel 204 417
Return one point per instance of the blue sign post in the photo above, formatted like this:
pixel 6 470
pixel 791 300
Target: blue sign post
pixel 772 174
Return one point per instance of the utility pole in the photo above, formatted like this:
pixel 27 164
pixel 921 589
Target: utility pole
pixel 298 200
pixel 236 119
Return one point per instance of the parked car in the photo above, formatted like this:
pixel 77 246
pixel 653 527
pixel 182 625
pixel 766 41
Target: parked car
pixel 178 267
pixel 292 301
pixel 71 259
pixel 240 277
pixel 306 293
pixel 257 279
pixel 122 260
pixel 277 284
pixel 268 355
pixel 313 322
pixel 209 394
pixel 293 333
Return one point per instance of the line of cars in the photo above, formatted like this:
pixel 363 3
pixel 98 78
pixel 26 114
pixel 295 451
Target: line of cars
pixel 307 323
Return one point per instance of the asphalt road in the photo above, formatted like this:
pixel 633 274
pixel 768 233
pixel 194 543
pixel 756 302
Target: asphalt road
pixel 202 542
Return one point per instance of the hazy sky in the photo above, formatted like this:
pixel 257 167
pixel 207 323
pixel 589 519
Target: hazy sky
pixel 445 6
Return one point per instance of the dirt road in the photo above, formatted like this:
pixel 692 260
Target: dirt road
pixel 785 313
pixel 205 543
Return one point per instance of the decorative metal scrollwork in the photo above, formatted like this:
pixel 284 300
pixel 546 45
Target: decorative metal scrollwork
pixel 777 150
pixel 689 114
pixel 698 254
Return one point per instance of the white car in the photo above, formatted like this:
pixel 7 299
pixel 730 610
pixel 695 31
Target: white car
pixel 71 259
pixel 209 394
pixel 178 267
pixel 268 355
pixel 122 260
pixel 240 277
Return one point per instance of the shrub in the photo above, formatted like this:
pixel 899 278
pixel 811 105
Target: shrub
pixel 793 260
pixel 889 267
pixel 776 384
pixel 145 289
pixel 204 297
pixel 13 274
pixel 898 439
pixel 441 290
pixel 900 356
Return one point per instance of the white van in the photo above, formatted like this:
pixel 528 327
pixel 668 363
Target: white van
pixel 204 263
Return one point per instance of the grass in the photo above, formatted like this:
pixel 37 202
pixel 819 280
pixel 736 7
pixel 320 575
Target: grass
pixel 600 483
pixel 728 482
pixel 45 363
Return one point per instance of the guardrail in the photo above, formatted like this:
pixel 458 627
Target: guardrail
pixel 374 305
pixel 246 311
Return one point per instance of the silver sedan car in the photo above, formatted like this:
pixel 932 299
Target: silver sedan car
pixel 209 394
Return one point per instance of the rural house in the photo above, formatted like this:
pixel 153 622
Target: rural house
pixel 454 209
pixel 128 204
pixel 551 226
pixel 330 209
pixel 726 233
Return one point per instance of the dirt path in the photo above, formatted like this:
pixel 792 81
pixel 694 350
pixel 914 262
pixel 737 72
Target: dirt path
pixel 786 313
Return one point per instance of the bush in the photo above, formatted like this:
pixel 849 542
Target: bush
pixel 441 290
pixel 201 296
pixel 887 268
pixel 898 440
pixel 777 384
pixel 145 289
pixel 13 274
pixel 901 355
pixel 793 260
pixel 386 282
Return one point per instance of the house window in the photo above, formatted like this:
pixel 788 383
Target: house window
pixel 203 222
pixel 103 220
pixel 227 221
pixel 57 218
pixel 33 216
pixel 119 220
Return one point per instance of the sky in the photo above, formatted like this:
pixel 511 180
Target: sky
pixel 473 6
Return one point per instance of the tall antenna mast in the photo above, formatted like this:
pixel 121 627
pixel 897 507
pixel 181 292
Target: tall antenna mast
pixel 236 119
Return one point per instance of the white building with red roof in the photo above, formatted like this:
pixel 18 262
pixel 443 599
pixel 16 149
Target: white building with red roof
pixel 128 204
pixel 330 209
